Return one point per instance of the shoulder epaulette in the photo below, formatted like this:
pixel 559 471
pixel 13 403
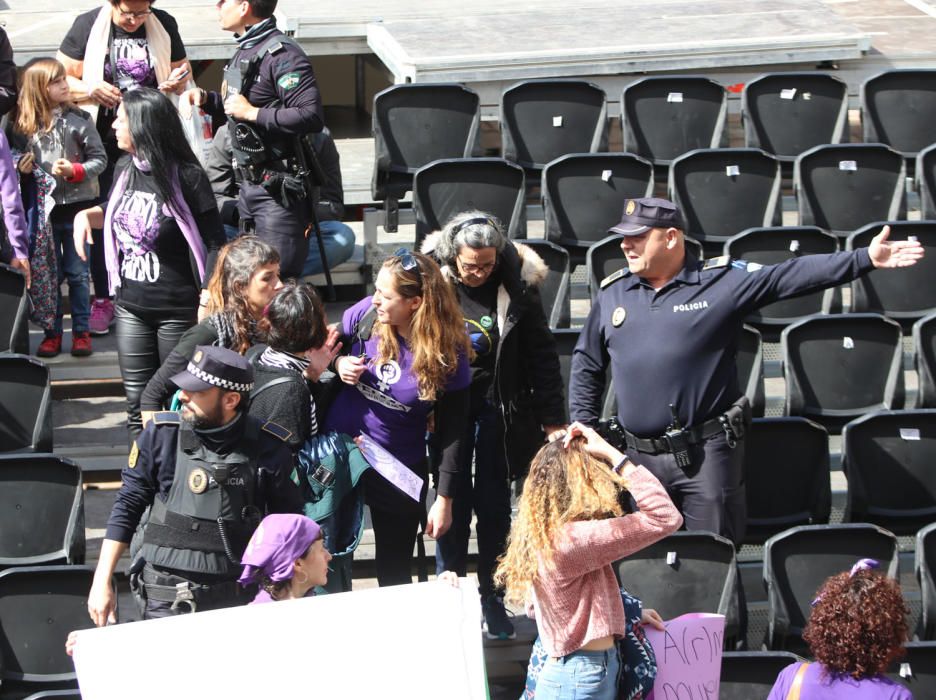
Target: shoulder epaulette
pixel 273 48
pixel 166 418
pixel 276 430
pixel 720 261
pixel 614 277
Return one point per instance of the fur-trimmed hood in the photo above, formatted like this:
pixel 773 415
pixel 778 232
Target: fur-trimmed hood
pixel 532 269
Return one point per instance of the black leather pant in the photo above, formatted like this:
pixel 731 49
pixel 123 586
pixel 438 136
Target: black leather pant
pixel 144 341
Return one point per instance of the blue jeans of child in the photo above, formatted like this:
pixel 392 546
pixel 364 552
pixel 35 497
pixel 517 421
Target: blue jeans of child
pixel 581 675
pixel 75 270
pixel 488 495
pixel 339 247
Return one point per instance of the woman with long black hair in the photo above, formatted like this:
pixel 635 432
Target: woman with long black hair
pixel 162 232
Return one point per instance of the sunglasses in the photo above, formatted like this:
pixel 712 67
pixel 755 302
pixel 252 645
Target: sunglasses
pixel 409 262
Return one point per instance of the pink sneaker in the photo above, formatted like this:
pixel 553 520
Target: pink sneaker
pixel 102 316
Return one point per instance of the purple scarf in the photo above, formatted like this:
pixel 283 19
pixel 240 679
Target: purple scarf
pixel 176 207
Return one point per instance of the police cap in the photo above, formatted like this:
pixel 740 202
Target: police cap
pixel 641 215
pixel 213 366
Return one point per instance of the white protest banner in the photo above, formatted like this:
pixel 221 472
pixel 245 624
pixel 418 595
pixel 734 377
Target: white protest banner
pixel 390 468
pixel 416 641
pixel 688 656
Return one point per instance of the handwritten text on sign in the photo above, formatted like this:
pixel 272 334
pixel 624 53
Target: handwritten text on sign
pixel 688 655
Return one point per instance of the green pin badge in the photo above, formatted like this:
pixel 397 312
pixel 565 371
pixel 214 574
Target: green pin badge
pixel 487 322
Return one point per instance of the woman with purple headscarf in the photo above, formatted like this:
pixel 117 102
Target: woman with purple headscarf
pixel 287 558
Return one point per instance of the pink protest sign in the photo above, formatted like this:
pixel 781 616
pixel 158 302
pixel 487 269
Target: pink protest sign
pixel 688 657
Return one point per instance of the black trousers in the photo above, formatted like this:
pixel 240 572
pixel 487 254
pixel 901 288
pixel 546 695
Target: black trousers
pixel 396 518
pixel 284 229
pixel 144 341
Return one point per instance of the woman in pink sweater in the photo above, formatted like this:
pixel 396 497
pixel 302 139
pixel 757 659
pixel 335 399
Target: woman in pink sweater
pixel 570 527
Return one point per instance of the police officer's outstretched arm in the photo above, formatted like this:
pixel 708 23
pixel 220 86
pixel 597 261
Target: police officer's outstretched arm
pixel 885 253
pixel 587 376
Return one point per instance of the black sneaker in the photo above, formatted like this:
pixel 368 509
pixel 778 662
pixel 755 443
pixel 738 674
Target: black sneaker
pixel 496 623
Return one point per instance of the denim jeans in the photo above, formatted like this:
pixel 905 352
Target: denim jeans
pixel 581 675
pixel 75 270
pixel 339 247
pixel 488 495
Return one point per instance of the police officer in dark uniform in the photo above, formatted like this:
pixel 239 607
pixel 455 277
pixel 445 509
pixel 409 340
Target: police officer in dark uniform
pixel 208 478
pixel 668 325
pixel 271 98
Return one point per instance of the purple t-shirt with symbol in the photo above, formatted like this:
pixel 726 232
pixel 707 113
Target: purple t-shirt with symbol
pixel 385 403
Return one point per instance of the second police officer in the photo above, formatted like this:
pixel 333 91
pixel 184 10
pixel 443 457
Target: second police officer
pixel 271 98
pixel 668 325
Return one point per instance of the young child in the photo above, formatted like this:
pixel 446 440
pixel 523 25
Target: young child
pixel 59 139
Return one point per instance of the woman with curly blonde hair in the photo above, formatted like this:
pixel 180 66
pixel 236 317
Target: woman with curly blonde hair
pixel 407 357
pixel 570 527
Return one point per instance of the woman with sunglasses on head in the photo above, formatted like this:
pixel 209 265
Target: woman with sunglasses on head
pixel 404 360
pixel 515 395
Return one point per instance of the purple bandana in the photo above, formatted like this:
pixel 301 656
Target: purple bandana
pixel 276 544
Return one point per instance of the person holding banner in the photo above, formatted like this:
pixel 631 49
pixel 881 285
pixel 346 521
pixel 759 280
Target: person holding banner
pixel 570 527
pixel 407 356
pixel 857 628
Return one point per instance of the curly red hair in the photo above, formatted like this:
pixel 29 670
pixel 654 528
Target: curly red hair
pixel 858 625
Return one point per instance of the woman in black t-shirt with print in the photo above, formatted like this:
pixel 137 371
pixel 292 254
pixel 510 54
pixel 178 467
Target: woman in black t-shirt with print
pixel 162 232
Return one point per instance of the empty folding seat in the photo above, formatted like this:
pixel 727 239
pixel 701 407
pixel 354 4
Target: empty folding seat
pixel 584 195
pixel 916 669
pixel 926 181
pixel 798 561
pixel 750 363
pixel 566 339
pixel 905 294
pixel 889 458
pixel 724 191
pixel 445 188
pixel 415 124
pixel 924 565
pixel 788 113
pixel 840 367
pixel 772 245
pixel 14 311
pixel 663 117
pixel 924 360
pixel 555 290
pixel 39 606
pixel 684 573
pixel 897 108
pixel 544 119
pixel 842 187
pixel 41 511
pixel 786 475
pixel 749 675
pixel 25 405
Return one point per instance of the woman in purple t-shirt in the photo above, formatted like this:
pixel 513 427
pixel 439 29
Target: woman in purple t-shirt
pixel 857 627
pixel 408 360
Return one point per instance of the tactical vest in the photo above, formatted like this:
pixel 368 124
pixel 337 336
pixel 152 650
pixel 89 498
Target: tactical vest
pixel 210 512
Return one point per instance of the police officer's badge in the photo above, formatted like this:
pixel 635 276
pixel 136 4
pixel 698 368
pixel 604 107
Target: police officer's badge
pixel 617 318
pixel 134 455
pixel 224 90
pixel 196 358
pixel 198 480
pixel 631 206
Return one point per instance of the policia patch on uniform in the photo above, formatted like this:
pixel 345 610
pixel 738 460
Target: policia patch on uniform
pixel 134 455
pixel 288 81
pixel 198 481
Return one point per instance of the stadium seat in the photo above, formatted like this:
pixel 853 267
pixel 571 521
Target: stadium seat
pixel 555 290
pixel 25 405
pixel 543 119
pixel 663 117
pixel 566 338
pixel 54 694
pixel 41 511
pixel 897 108
pixel 889 458
pixel 684 573
pixel 917 669
pixel 750 363
pixel 14 311
pixel 924 360
pixel 445 188
pixel 798 561
pixel 926 181
pixel 415 124
pixel 584 195
pixel 904 295
pixel 772 245
pixel 840 367
pixel 924 565
pixel 723 191
pixel 749 675
pixel 840 188
pixel 788 113
pixel 39 606
pixel 786 474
